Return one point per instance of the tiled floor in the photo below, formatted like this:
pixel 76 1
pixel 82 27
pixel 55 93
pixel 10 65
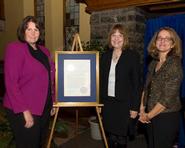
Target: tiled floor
pixel 85 140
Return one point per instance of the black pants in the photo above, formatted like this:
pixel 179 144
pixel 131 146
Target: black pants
pixel 163 130
pixel 34 137
pixel 116 141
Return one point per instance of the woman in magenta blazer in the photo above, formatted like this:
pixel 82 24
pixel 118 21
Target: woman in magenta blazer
pixel 29 75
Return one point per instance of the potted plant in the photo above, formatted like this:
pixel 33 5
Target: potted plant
pixel 61 129
pixel 93 45
pixel 6 135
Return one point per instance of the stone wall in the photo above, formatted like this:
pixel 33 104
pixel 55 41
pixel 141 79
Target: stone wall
pixel 132 18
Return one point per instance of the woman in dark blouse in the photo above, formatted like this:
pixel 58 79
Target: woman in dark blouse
pixel 160 103
pixel 29 75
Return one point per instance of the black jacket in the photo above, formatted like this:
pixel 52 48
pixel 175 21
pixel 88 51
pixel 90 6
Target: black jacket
pixel 127 90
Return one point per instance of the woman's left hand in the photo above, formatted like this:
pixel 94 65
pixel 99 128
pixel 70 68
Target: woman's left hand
pixel 29 121
pixel 133 114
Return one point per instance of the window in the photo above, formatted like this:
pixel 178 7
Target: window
pixel 39 13
pixel 71 26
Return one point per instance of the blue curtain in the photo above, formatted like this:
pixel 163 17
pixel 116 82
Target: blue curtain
pixel 177 22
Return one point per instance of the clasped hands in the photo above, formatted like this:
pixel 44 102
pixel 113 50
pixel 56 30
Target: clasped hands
pixel 144 117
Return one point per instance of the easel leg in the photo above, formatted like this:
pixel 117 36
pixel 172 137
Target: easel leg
pixel 52 129
pixel 101 127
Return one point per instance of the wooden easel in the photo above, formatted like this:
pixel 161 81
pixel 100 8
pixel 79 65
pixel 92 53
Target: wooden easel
pixel 76 46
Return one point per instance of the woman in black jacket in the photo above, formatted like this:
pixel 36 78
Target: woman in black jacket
pixel 120 87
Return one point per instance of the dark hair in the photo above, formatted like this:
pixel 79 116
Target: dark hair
pixel 24 25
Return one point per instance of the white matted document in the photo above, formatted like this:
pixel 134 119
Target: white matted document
pixel 77 77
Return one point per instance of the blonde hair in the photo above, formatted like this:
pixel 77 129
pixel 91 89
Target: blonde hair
pixel 175 51
pixel 122 30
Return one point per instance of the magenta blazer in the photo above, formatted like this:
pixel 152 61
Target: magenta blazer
pixel 26 79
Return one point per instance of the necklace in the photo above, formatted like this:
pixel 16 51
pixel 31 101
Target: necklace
pixel 116 56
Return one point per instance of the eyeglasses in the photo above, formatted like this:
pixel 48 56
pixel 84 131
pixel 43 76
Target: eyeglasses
pixel 160 39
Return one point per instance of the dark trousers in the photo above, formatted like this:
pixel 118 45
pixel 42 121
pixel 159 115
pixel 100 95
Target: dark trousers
pixel 116 141
pixel 163 130
pixel 34 137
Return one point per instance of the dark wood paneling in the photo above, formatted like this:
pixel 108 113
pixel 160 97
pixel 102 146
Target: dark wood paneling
pixel 2 15
pixel 151 6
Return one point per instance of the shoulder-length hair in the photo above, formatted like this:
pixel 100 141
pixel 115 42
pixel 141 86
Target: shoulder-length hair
pixel 24 25
pixel 122 30
pixel 175 51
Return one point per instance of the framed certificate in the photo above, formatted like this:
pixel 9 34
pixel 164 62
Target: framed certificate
pixel 77 76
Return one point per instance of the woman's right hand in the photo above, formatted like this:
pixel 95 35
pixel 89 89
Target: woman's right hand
pixel 143 116
pixel 28 119
pixel 142 110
